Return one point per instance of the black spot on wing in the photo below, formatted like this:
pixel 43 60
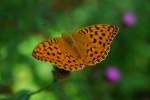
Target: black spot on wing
pixel 90 29
pixel 91 35
pixel 48 53
pixel 86 30
pixel 94 41
pixel 96 32
pixel 96 26
pixel 100 42
pixel 103 34
pixel 50 48
pixel 82 31
pixel 100 38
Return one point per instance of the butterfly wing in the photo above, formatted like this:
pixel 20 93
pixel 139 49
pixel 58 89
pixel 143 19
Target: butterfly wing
pixel 57 51
pixel 93 42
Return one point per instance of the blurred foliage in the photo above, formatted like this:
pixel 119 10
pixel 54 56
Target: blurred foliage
pixel 24 23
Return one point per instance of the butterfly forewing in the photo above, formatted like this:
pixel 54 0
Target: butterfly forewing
pixel 94 42
pixel 57 51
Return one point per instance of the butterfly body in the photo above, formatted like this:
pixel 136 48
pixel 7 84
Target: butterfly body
pixel 86 46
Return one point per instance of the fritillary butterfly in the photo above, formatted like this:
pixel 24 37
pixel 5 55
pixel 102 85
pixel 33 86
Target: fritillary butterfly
pixel 86 46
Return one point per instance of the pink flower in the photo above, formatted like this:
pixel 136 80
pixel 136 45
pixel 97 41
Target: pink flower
pixel 129 19
pixel 112 73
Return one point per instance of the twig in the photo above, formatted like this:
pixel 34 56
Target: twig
pixel 44 88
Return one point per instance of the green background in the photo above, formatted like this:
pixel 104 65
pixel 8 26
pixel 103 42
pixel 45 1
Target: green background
pixel 24 23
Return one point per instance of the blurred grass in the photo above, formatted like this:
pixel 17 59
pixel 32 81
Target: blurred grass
pixel 25 23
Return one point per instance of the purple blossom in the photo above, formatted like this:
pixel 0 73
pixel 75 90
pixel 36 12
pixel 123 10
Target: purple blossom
pixel 129 19
pixel 112 73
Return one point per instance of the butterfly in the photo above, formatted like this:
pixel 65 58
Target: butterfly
pixel 85 46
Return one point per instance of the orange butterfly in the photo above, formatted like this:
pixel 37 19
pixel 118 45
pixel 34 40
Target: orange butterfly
pixel 86 46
